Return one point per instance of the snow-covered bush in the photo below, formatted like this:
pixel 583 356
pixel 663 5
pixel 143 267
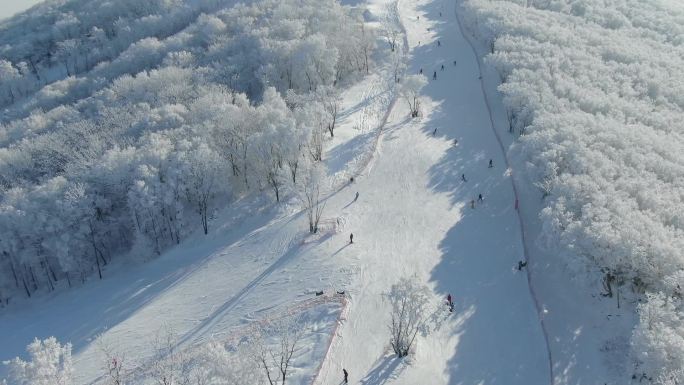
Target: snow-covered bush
pixel 592 89
pixel 410 314
pixel 50 364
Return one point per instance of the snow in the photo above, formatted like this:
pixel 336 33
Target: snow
pixel 412 219
pixel 589 334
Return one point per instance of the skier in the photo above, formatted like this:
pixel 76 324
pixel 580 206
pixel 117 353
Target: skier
pixel 454 62
pixel 521 264
pixel 455 142
pixel 440 14
pixel 479 198
pixel 442 67
pixel 463 178
pixel 434 132
pixel 439 43
pixel 421 71
pixel 434 76
pixel 491 163
pixel 351 238
pixel 356 197
pixel 346 375
pixel 450 303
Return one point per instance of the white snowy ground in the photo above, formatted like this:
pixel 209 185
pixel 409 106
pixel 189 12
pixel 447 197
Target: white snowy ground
pixel 413 218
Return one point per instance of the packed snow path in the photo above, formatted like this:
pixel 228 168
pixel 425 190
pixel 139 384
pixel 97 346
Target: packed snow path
pixel 414 218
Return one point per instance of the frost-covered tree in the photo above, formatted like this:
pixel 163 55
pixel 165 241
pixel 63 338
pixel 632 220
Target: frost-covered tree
pixel 138 122
pixel 329 97
pixel 391 25
pixel 50 364
pixel 588 89
pixel 410 89
pixel 658 339
pixel 310 196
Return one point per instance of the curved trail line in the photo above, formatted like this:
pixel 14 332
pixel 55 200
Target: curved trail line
pixel 526 255
pixel 237 334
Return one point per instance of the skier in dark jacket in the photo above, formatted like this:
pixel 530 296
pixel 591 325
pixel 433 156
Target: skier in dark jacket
pixel 491 163
pixel 434 76
pixel 351 238
pixel 463 178
pixel 346 376
pixel 479 198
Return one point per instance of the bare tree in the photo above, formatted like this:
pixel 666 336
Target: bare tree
pixel 170 365
pixel 410 314
pixel 113 362
pixel 275 359
pixel 410 90
pixel 330 98
pixel 311 197
pixel 316 145
pixel 390 25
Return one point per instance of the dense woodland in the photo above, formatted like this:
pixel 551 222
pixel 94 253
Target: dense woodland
pixel 126 124
pixel 595 93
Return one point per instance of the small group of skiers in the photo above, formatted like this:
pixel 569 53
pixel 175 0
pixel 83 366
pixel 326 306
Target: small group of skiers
pixel 480 198
pixel 434 73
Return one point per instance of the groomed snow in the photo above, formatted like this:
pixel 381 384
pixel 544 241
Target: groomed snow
pixel 412 218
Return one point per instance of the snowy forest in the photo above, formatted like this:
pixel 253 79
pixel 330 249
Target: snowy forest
pixel 130 127
pixel 125 123
pixel 593 89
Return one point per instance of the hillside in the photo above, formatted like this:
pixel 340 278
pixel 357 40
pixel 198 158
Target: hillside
pixel 159 212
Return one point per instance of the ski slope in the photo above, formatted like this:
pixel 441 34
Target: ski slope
pixel 412 218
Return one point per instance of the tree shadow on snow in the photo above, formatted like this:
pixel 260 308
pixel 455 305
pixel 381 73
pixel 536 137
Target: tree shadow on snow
pixel 500 341
pixel 79 315
pixel 385 369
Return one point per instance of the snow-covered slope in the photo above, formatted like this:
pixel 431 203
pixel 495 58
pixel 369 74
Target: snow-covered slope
pixel 413 218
